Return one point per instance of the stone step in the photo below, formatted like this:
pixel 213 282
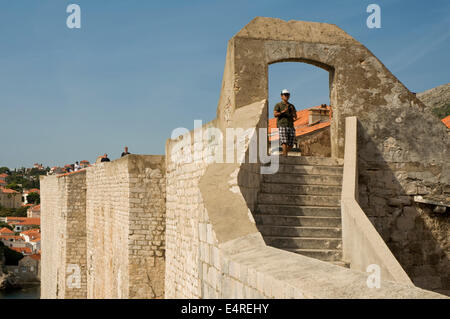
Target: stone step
pixel 332 255
pixel 302 179
pixel 281 220
pixel 295 189
pixel 311 169
pixel 311 160
pixel 282 199
pixel 318 211
pixel 303 242
pixel 298 231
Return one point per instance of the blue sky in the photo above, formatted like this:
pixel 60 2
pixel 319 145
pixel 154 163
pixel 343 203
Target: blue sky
pixel 138 69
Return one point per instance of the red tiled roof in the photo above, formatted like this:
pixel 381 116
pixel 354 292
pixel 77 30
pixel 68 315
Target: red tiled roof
pixel 10 219
pixel 2 182
pixel 5 230
pixel 35 256
pixel 31 232
pixel 3 175
pixel 33 190
pixel 29 221
pixel 22 249
pixel 8 191
pixel 7 237
pixel 301 125
pixel 446 121
pixel 36 208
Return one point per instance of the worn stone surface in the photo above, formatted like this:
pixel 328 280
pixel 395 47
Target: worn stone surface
pixel 213 248
pixel 397 158
pixel 436 97
pixel 63 241
pixel 109 221
pixel 316 144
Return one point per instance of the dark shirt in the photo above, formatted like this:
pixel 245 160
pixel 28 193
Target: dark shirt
pixel 286 119
pixel 105 159
pixel 123 154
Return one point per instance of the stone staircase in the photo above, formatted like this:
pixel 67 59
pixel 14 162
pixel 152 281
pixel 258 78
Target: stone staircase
pixel 299 207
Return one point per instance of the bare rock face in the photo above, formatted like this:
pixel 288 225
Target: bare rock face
pixel 436 98
pixel 8 281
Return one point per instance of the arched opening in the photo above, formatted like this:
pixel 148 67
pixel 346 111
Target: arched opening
pixel 310 85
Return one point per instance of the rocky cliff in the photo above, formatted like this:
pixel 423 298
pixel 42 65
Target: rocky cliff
pixel 437 100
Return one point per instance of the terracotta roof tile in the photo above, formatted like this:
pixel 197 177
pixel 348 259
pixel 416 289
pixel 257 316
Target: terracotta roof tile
pixel 29 221
pixel 35 256
pixel 8 237
pixel 446 121
pixel 302 126
pixel 22 249
pixel 5 230
pixel 8 191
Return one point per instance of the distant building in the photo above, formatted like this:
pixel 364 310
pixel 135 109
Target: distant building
pixel 21 224
pixel 312 131
pixel 55 170
pixel 28 192
pixel 6 232
pixel 3 177
pixel 32 239
pixel 28 268
pixel 84 164
pixel 34 211
pixel 10 198
pixel 13 241
pixel 23 250
pixel 38 166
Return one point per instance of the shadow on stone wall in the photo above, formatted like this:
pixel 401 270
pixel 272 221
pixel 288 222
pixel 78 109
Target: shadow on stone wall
pixel 417 237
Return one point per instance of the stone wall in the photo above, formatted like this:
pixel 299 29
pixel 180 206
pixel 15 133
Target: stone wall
pixel 403 149
pixel 214 249
pixel 317 143
pixel 125 228
pixel 63 240
pixel 10 200
pixel 109 221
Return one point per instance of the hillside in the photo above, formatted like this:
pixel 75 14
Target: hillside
pixel 437 100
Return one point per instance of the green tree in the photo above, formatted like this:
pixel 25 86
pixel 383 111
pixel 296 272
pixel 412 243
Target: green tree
pixel 34 198
pixel 5 169
pixel 15 187
pixel 3 224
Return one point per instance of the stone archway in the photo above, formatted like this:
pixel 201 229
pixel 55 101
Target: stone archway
pixel 359 83
pixel 403 150
pixel 315 142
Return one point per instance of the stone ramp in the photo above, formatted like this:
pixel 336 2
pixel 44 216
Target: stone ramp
pixel 299 208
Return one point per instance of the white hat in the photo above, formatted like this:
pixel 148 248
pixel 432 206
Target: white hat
pixel 285 91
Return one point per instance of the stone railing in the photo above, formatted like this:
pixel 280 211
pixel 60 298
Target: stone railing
pixel 362 245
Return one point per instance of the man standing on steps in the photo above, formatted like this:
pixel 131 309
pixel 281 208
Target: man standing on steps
pixel 286 114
